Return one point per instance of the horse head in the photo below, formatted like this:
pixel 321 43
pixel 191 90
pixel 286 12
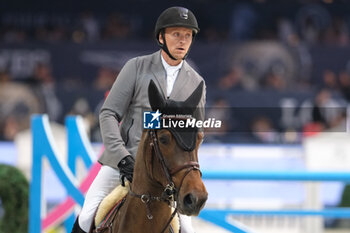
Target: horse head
pixel 173 163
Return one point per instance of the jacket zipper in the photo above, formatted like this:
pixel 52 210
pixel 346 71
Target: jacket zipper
pixel 127 132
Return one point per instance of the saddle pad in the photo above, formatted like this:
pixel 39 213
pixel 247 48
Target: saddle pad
pixel 175 224
pixel 110 201
pixel 106 224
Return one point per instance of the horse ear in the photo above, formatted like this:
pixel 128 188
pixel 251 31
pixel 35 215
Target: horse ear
pixel 155 98
pixel 193 100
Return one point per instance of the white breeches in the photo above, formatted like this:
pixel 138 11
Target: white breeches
pixel 106 180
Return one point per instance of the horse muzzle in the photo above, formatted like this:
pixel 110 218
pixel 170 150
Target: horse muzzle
pixel 192 203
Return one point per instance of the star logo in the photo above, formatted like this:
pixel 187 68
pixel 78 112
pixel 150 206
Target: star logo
pixel 151 120
pixel 155 115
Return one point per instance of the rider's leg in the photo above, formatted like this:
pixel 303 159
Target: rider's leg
pixel 106 180
pixel 186 224
pixel 76 228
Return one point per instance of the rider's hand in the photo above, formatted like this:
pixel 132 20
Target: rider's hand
pixel 126 168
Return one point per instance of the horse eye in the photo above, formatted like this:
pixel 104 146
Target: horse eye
pixel 164 139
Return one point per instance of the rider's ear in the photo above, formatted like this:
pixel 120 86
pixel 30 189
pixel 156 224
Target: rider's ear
pixel 160 38
pixel 156 99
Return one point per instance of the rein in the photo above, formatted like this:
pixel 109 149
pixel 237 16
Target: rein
pixel 170 190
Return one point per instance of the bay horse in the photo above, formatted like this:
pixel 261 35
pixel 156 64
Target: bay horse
pixel 166 172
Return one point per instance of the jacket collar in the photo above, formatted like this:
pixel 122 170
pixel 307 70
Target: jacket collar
pixel 160 76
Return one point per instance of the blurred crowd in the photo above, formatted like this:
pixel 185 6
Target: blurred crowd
pixel 309 21
pixel 44 27
pixel 297 25
pixel 38 94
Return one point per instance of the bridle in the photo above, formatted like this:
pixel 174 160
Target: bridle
pixel 170 192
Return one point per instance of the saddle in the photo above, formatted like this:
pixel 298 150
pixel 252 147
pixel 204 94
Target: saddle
pixel 109 208
pixel 106 224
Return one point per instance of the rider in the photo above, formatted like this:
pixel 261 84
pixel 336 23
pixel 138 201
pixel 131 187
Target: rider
pixel 175 31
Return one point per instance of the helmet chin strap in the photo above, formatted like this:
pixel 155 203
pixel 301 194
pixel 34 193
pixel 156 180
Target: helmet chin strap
pixel 165 47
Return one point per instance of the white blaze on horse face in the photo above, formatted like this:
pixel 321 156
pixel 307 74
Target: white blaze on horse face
pixel 192 193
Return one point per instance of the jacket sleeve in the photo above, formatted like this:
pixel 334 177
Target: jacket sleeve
pixel 199 114
pixel 113 110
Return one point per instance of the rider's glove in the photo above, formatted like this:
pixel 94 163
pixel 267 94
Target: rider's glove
pixel 126 168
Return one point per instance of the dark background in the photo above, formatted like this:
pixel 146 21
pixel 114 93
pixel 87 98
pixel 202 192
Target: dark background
pixel 257 54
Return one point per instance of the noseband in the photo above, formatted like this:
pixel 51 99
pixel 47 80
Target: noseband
pixel 170 192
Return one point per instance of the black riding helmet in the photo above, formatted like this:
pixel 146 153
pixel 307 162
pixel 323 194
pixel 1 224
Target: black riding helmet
pixel 175 17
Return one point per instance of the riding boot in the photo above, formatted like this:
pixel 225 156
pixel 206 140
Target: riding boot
pixel 76 228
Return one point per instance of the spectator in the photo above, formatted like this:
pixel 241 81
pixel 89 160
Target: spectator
pixel 220 110
pixel 339 123
pixel 117 27
pixel 232 80
pixel 17 103
pixel 43 84
pixel 274 80
pixel 4 77
pixel 336 33
pixel 81 107
pixel 312 20
pixel 263 131
pixel 14 35
pixel 16 121
pixel 105 78
pixel 243 22
pixel 325 108
pixel 330 80
pixel 286 31
pixel 344 84
pixel 90 26
pixel 324 112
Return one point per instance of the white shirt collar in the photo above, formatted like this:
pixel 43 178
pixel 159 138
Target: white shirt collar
pixel 169 68
pixel 171 74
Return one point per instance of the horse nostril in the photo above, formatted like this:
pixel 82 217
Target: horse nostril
pixel 201 202
pixel 189 200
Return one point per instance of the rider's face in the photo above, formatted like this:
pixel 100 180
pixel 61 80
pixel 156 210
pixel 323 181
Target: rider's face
pixel 178 40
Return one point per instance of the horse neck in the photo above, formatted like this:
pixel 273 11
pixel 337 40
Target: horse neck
pixel 142 180
pixel 144 184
